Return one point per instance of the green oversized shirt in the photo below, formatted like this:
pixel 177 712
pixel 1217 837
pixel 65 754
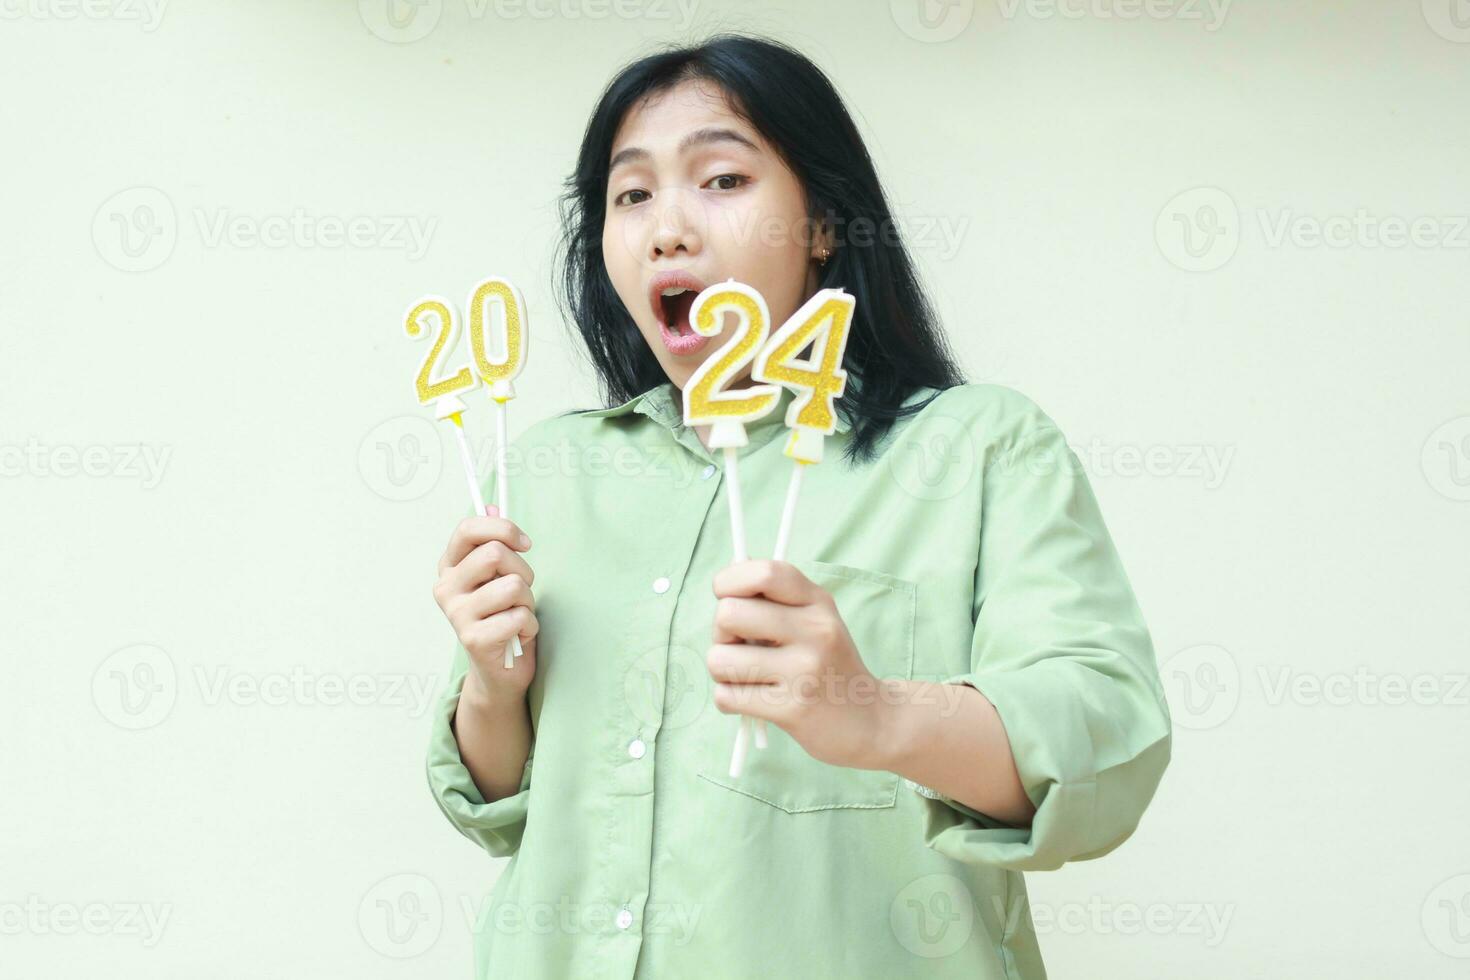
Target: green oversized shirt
pixel 970 550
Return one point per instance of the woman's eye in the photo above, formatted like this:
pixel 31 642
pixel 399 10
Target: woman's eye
pixel 724 182
pixel 730 187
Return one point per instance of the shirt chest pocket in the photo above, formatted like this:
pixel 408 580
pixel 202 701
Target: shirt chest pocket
pixel 879 611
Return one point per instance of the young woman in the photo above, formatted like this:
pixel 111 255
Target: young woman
pixel 956 679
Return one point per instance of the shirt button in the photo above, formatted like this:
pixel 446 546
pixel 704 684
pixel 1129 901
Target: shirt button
pixel 625 918
pixel 637 748
pixel 660 585
pixel 708 472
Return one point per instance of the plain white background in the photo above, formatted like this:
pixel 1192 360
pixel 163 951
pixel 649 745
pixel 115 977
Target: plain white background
pixel 1224 246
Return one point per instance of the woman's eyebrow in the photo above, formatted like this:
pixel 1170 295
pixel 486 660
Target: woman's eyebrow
pixel 700 137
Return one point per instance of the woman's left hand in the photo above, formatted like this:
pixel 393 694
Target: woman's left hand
pixel 812 681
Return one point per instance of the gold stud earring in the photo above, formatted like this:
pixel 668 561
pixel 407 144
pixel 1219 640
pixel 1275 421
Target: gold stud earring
pixel 826 254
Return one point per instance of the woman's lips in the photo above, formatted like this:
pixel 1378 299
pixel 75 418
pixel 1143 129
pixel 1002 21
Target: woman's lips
pixel 687 342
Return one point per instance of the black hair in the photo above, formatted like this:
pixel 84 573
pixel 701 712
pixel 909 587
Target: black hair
pixel 895 346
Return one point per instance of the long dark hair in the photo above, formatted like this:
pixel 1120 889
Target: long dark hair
pixel 895 346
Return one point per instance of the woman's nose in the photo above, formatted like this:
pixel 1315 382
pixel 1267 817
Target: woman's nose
pixel 678 229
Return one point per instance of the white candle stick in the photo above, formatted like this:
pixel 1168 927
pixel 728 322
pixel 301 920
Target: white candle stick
pixel 513 649
pixel 502 489
pixel 737 513
pixel 737 533
pixel 822 323
pixel 502 485
pixel 468 460
pixel 788 512
pixel 783 536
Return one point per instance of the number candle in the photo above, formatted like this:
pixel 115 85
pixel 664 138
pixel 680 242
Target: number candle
pixel 811 416
pixel 443 391
pixel 498 372
pixel 818 382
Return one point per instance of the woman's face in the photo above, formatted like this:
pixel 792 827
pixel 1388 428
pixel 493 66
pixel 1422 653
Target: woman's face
pixel 696 196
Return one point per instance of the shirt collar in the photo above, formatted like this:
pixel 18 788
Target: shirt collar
pixel 664 404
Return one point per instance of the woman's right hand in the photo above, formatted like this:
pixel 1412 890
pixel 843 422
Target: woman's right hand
pixel 484 589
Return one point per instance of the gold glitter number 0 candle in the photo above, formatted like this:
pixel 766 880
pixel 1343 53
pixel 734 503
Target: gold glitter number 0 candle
pixel 510 328
pixel 498 372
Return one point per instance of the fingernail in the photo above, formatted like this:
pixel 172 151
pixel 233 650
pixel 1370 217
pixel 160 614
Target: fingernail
pixel 525 540
pixel 491 510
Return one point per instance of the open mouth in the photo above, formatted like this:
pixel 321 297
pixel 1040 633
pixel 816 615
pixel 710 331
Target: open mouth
pixel 672 296
pixel 677 301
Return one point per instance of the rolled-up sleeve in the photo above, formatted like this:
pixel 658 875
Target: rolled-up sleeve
pixel 1061 649
pixel 497 826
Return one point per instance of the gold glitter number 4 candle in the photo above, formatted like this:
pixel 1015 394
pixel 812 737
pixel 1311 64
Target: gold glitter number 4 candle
pixel 818 382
